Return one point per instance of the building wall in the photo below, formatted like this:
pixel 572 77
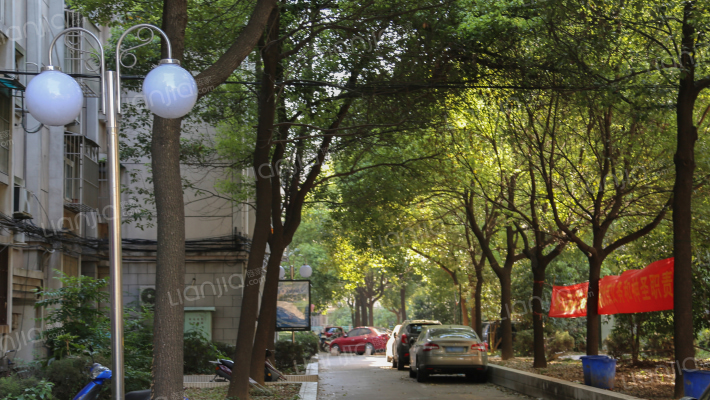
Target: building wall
pixel 37 162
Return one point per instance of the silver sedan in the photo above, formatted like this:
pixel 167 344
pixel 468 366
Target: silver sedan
pixel 448 349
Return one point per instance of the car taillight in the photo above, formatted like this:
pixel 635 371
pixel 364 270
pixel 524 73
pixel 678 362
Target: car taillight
pixel 404 338
pixel 430 347
pixel 479 347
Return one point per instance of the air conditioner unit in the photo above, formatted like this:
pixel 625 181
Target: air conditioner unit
pixel 146 295
pixel 22 203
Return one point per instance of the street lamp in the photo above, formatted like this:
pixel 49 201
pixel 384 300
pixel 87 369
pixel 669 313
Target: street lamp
pixel 305 271
pixel 55 99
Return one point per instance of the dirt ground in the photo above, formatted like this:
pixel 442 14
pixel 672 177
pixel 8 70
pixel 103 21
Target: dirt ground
pixel 652 380
pixel 279 392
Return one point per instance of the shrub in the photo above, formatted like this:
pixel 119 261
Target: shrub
pixel 310 343
pixel 617 344
pixel 287 351
pixel 560 342
pixel 138 349
pixel 38 390
pixel 12 386
pixel 226 348
pixel 72 313
pixel 660 345
pixel 198 352
pixel 523 344
pixel 68 375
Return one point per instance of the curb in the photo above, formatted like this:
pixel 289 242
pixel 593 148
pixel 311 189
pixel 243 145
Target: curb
pixel 543 387
pixel 309 390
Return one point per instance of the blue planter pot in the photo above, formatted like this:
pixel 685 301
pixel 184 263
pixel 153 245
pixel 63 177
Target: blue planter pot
pixel 695 382
pixel 599 371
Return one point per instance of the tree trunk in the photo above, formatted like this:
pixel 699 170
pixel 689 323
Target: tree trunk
pixel 364 318
pixel 239 385
pixel 506 348
pixel 358 317
pixel 370 313
pixel 682 215
pixel 636 346
pixel 478 323
pixel 464 309
pixel 538 333
pixel 403 302
pixel 169 318
pixel 595 266
pixel 352 315
pixel 170 259
pixel 267 311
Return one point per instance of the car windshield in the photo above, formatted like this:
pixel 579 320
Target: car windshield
pixel 452 333
pixel 332 330
pixel 380 331
pixel 416 328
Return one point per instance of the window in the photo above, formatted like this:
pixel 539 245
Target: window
pixel 68 179
pixel 5 130
pixel 416 328
pixel 452 333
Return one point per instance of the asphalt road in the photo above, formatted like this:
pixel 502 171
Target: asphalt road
pixel 372 378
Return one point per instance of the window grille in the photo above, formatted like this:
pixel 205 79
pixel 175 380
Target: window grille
pixel 5 130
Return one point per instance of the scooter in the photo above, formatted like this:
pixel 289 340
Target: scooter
pixel 99 375
pixel 223 372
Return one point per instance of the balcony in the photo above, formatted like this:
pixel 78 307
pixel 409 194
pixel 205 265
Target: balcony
pixel 81 173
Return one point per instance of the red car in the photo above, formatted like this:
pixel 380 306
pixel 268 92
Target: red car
pixel 361 340
pixel 333 330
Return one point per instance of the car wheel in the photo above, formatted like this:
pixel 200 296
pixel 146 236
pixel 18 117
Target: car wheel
pixel 471 377
pixel 400 362
pixel 335 350
pixel 422 375
pixel 369 349
pixel 412 371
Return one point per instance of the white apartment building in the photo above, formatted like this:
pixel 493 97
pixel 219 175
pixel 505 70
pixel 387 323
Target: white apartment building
pixel 53 195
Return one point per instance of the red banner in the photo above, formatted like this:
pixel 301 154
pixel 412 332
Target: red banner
pixel 641 290
pixel 569 301
pixel 634 291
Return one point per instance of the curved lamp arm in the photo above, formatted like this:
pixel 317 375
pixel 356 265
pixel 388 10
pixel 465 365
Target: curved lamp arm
pixel 101 56
pixel 120 54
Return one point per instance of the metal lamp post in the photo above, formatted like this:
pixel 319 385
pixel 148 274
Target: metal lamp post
pixel 55 99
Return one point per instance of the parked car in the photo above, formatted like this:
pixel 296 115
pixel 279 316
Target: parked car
pixel 408 334
pixel 392 343
pixel 361 340
pixel 448 349
pixel 329 331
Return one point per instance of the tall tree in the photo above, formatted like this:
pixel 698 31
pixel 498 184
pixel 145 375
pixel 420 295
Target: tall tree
pixel 509 254
pixel 688 91
pixel 165 158
pixel 239 384
pixel 589 175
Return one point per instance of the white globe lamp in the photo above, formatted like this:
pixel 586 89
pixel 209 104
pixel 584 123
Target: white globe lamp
pixel 169 90
pixel 282 273
pixel 54 98
pixel 305 270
